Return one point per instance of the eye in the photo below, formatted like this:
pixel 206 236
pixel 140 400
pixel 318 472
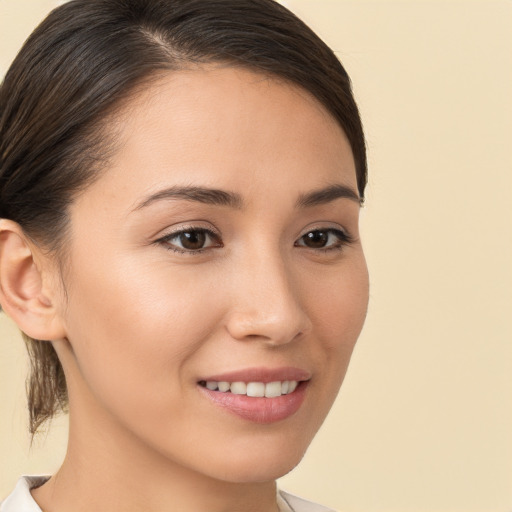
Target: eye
pixel 191 240
pixel 325 239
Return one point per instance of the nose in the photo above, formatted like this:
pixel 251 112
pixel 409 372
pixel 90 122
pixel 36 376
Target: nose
pixel 267 302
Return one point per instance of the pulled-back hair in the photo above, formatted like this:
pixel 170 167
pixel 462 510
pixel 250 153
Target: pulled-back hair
pixel 75 70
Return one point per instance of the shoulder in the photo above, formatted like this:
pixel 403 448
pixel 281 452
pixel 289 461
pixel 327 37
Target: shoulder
pixel 20 499
pixel 291 503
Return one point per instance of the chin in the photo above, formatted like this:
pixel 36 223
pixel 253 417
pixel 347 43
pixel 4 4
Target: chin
pixel 263 463
pixel 258 474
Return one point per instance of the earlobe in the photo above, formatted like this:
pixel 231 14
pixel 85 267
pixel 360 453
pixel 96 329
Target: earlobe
pixel 22 287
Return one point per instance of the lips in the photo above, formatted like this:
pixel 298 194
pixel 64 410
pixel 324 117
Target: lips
pixel 261 374
pixel 259 395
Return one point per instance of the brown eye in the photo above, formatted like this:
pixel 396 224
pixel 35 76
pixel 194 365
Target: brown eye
pixel 192 240
pixel 324 239
pixel 316 239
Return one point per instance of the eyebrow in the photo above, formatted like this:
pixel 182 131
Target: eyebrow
pixel 327 195
pixel 217 197
pixel 204 195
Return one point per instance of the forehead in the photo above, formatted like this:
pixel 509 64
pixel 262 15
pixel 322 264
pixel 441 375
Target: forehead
pixel 226 126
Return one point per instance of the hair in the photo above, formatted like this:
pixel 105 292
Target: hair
pixel 75 70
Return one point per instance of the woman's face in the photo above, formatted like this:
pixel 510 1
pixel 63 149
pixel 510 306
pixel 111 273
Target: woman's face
pixel 220 246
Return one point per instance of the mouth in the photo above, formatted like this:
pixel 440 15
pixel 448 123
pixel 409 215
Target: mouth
pixel 258 395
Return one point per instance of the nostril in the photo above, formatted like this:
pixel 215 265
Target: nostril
pixel 272 329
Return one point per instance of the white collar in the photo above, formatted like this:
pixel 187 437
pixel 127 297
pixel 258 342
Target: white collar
pixel 20 500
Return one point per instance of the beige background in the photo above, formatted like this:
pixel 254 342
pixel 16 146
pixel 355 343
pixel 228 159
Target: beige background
pixel 424 421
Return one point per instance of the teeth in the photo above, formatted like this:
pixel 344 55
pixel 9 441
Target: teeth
pixel 273 389
pixel 239 388
pixel 254 389
pixel 224 386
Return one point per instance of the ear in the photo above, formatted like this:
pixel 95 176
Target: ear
pixel 26 291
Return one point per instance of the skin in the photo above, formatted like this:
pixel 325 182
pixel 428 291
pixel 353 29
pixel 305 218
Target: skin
pixel 143 323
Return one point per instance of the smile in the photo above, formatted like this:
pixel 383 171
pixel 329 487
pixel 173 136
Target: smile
pixel 253 389
pixel 258 395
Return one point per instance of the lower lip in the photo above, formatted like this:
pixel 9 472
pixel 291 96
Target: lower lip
pixel 256 409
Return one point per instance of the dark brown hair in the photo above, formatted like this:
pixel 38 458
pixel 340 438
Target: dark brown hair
pixel 89 55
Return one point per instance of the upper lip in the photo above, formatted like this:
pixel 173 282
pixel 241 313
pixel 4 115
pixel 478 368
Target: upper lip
pixel 261 374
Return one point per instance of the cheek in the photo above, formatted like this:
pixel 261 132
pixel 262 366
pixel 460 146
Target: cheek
pixel 340 306
pixel 133 335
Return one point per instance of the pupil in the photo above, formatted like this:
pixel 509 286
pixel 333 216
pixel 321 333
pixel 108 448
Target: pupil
pixel 193 240
pixel 316 239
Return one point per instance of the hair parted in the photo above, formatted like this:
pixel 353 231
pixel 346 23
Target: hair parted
pixel 89 55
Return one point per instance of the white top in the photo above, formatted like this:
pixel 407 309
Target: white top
pixel 20 500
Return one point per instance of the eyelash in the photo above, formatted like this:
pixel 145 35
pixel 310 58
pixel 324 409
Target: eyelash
pixel 344 239
pixel 165 240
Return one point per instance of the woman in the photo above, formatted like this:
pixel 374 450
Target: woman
pixel 180 185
